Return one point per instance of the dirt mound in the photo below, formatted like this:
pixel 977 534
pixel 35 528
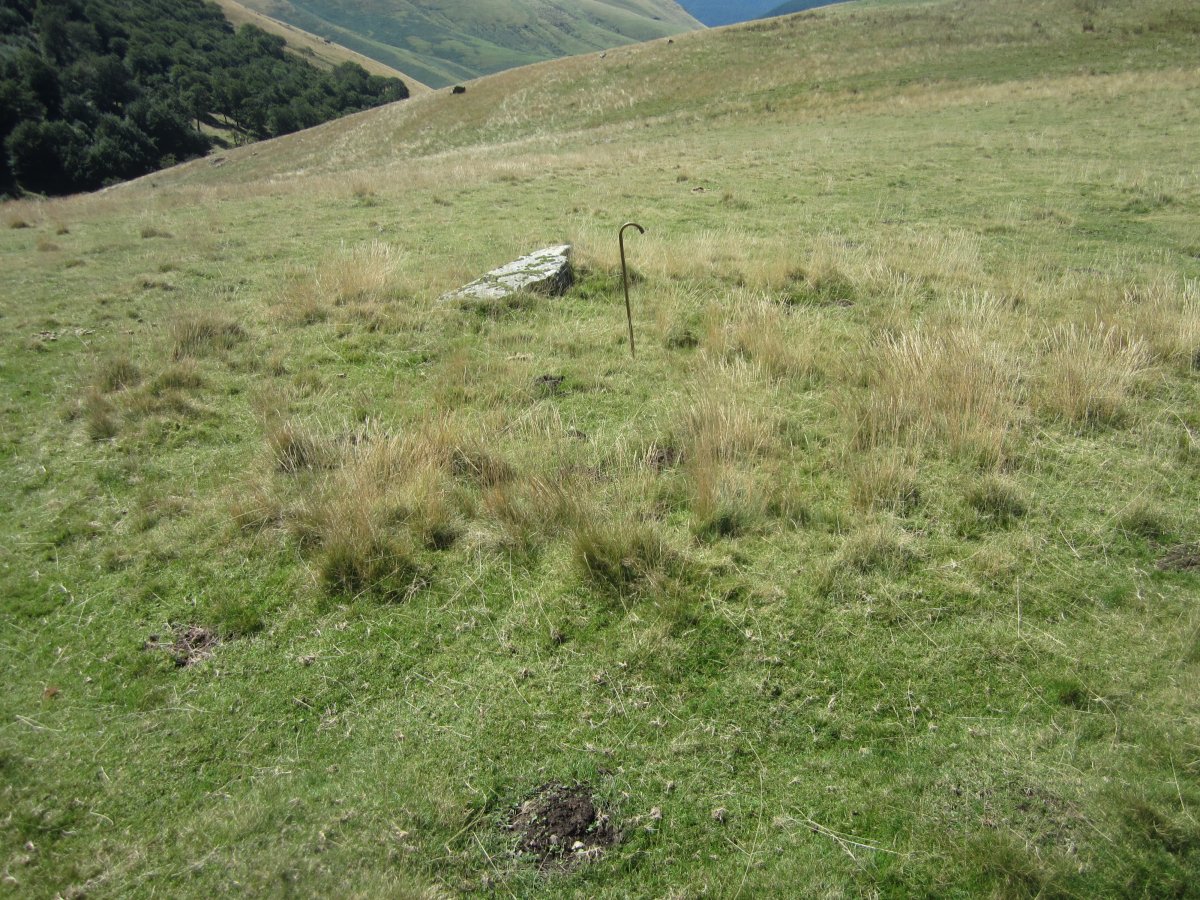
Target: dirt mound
pixel 1183 558
pixel 187 645
pixel 562 823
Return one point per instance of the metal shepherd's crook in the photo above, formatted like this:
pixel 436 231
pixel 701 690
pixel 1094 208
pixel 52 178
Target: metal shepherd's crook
pixel 625 278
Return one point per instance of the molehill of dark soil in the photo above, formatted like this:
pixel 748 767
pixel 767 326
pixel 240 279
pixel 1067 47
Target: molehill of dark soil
pixel 1182 558
pixel 561 823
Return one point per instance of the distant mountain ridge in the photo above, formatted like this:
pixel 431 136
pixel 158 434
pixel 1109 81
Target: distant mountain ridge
pixel 443 41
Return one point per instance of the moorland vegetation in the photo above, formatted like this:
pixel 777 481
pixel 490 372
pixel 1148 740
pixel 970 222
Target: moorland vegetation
pixel 874 574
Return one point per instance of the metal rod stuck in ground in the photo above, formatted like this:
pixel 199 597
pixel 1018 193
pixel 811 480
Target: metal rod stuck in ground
pixel 625 280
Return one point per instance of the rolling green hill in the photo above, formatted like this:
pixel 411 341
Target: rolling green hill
pixel 321 50
pixel 873 574
pixel 453 40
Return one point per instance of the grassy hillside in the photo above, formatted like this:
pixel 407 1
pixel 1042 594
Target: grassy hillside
pixel 873 573
pixel 454 40
pixel 321 51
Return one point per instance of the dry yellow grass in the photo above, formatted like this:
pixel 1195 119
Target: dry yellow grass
pixel 728 414
pixel 760 328
pixel 1165 314
pixel 950 388
pixel 197 334
pixel 884 479
pixel 1086 373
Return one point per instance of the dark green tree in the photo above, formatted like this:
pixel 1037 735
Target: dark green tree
pixel 92 91
pixel 43 156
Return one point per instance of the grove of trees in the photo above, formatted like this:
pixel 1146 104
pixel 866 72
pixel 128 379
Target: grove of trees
pixel 93 92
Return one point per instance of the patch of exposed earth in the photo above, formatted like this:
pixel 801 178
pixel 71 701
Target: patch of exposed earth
pixel 186 645
pixel 1181 558
pixel 563 825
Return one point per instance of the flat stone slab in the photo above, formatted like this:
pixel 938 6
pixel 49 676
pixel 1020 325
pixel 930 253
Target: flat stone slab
pixel 546 271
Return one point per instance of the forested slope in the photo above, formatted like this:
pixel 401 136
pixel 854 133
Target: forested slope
pixel 101 91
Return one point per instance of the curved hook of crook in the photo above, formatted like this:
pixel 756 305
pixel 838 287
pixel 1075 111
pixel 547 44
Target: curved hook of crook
pixel 625 280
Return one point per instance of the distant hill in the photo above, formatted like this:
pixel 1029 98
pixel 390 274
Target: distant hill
pixel 321 52
pixel 461 39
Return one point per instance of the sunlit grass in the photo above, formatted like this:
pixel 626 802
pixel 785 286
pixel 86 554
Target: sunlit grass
pixel 872 574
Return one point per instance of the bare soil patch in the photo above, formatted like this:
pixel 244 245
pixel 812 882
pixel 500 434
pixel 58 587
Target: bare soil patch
pixel 1181 558
pixel 561 824
pixel 187 644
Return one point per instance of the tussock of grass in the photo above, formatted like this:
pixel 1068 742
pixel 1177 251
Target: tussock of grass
pixel 875 550
pixel 998 498
pixel 787 501
pixel 150 403
pixel 620 555
pixel 725 502
pixel 255 506
pixel 155 508
pixel 1144 518
pixel 821 287
pixel 1086 374
pixel 183 375
pixel 1165 315
pixel 759 329
pixel 356 283
pixel 464 378
pixel 530 511
pixel 385 496
pixel 355 520
pixel 479 465
pixel 951 390
pixel 99 416
pixel 358 561
pixel 295 447
pixel 884 479
pixel 360 275
pixel 201 334
pixel 117 373
pixel 880 547
pixel 724 418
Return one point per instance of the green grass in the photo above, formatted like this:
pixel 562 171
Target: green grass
pixel 840 587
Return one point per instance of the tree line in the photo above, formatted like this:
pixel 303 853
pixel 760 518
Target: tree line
pixel 93 92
